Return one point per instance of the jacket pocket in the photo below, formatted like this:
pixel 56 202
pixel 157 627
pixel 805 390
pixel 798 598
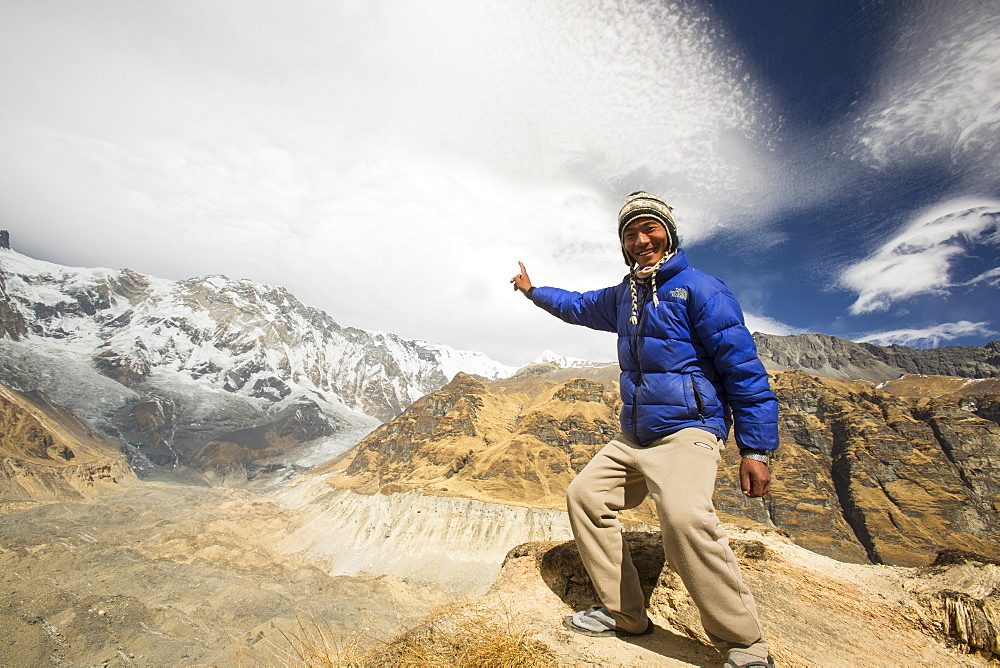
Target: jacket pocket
pixel 699 401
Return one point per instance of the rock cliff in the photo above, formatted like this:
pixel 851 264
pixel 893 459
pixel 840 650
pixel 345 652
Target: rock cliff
pixel 12 325
pixel 862 465
pixel 449 542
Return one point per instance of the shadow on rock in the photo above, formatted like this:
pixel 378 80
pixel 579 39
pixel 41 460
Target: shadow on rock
pixel 564 573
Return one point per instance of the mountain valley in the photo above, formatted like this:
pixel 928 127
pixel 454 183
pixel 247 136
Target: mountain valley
pixel 188 470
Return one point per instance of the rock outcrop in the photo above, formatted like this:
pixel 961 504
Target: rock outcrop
pixel 12 325
pixel 815 611
pixel 46 454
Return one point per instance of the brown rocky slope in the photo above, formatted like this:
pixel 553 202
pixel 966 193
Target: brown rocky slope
pixel 865 474
pixel 179 575
pixel 48 454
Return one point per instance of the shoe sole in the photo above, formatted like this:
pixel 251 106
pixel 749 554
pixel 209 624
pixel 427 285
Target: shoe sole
pixel 609 633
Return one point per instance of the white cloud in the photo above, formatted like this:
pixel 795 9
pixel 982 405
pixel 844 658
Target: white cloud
pixel 918 260
pixel 940 92
pixel 765 325
pixel 383 160
pixel 929 337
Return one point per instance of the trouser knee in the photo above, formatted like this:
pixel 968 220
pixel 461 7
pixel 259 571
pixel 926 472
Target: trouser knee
pixel 581 500
pixel 687 524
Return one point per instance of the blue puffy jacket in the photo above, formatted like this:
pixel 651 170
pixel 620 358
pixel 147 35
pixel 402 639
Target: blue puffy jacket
pixel 690 362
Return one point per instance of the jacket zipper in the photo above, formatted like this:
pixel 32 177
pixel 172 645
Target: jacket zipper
pixel 638 363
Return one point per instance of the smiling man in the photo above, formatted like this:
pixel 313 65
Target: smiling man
pixel 689 373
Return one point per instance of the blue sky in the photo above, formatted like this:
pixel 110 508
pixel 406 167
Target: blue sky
pixel 836 163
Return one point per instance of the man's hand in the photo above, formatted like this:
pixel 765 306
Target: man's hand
pixel 521 281
pixel 755 478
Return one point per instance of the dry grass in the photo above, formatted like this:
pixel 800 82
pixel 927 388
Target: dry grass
pixel 308 642
pixel 461 637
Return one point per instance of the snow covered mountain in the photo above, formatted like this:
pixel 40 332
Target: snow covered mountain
pixel 202 355
pixel 563 362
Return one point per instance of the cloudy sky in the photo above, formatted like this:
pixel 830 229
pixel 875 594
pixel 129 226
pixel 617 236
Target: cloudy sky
pixel 837 163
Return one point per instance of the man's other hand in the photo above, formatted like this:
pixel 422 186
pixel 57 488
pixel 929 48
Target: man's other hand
pixel 755 478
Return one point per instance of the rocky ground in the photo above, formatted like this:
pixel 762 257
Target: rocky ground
pixel 164 574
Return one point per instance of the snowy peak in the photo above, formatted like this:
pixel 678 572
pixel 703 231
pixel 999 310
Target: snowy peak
pixel 238 336
pixel 549 357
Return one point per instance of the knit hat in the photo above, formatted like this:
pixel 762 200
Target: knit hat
pixel 643 205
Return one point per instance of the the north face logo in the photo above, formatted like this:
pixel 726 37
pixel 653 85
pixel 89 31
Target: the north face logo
pixel 679 293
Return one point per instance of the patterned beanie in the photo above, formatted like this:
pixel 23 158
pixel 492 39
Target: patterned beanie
pixel 643 205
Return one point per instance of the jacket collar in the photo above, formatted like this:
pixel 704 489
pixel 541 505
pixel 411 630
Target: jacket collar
pixel 672 267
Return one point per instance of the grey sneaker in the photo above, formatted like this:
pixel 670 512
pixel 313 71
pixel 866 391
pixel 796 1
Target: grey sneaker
pixel 738 659
pixel 597 622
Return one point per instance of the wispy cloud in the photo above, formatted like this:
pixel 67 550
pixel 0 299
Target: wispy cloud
pixel 930 337
pixel 919 259
pixel 766 325
pixel 990 278
pixel 940 92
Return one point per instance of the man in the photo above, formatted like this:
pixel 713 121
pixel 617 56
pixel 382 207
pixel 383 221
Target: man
pixel 689 372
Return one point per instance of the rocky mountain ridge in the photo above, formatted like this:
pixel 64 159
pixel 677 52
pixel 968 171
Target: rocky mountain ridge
pixel 244 337
pixel 832 357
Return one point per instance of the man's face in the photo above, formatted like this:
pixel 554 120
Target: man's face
pixel 645 240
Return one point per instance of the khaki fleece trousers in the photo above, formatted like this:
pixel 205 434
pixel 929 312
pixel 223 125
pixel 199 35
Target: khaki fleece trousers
pixel 678 472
